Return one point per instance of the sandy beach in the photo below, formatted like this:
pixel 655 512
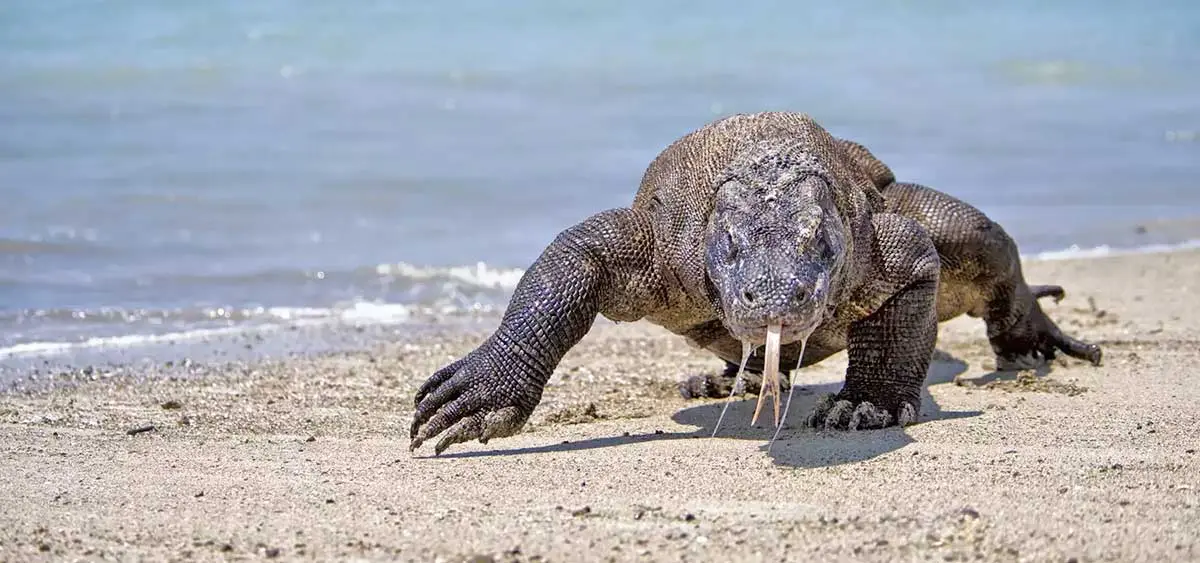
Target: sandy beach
pixel 308 459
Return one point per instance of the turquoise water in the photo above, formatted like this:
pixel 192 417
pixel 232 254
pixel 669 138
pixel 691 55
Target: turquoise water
pixel 167 167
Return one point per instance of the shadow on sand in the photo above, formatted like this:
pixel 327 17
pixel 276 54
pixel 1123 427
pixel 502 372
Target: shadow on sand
pixel 797 446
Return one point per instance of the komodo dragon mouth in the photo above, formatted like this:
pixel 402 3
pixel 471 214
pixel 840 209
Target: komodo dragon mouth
pixel 770 378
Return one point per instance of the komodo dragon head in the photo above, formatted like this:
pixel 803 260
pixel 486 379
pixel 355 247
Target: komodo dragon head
pixel 774 243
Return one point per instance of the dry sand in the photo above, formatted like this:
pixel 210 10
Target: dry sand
pixel 308 459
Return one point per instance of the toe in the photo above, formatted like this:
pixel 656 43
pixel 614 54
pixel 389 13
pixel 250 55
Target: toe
pixel 445 417
pixel 705 386
pixel 464 430
pixel 504 422
pixel 839 415
pixel 867 416
pixel 435 402
pixel 436 380
pixel 817 418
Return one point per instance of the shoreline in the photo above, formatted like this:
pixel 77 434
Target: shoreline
pixel 256 343
pixel 306 458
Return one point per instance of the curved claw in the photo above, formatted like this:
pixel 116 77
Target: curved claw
pixel 449 415
pixel 440 389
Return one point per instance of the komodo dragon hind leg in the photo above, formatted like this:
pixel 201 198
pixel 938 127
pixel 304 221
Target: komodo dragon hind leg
pixel 1032 338
pixel 978 254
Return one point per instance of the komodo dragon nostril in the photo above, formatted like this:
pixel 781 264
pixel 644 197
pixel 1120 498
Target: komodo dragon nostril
pixel 747 296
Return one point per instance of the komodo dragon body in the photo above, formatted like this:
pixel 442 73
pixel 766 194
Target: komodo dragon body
pixel 754 220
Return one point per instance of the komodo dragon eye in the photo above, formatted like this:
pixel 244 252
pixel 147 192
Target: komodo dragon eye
pixel 818 246
pixel 733 249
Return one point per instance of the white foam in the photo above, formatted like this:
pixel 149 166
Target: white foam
pixel 360 312
pixel 102 342
pixel 480 275
pixel 375 313
pixel 298 313
pixel 1075 252
pixel 357 311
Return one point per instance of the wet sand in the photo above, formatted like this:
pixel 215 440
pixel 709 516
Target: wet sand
pixel 308 458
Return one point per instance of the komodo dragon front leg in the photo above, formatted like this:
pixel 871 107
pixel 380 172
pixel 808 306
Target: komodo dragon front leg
pixel 890 349
pixel 605 265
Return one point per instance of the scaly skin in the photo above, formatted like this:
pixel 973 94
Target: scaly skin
pixel 750 220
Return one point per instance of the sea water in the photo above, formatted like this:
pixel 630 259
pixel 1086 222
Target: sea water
pixel 173 169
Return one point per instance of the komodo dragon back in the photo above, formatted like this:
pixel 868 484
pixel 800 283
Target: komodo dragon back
pixel 875 169
pixel 686 173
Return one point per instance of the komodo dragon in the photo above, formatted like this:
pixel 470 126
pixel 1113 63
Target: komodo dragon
pixel 753 223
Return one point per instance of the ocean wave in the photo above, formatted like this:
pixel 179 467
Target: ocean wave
pixel 351 311
pixel 270 319
pixel 49 348
pixel 479 275
pixel 150 326
pixel 1075 252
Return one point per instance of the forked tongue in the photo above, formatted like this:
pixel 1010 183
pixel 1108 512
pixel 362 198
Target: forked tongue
pixel 770 376
pixel 787 405
pixel 747 349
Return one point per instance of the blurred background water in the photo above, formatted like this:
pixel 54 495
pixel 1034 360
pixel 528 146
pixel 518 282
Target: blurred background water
pixel 167 168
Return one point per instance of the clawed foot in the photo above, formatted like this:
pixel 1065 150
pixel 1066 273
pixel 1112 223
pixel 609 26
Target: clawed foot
pixel 479 397
pixel 720 385
pixel 1035 339
pixel 833 413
